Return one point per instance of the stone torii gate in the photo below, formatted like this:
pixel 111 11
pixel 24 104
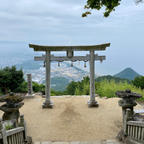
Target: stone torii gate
pixel 47 58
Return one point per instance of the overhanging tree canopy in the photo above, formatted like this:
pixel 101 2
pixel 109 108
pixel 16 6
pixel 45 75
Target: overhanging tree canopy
pixel 109 5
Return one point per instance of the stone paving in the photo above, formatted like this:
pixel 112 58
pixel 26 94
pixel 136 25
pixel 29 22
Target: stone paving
pixel 82 142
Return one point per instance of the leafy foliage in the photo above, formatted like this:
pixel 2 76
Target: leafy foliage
pixel 139 82
pixel 57 93
pixel 98 4
pixel 108 88
pixel 10 79
pixel 71 88
pixel 9 127
pixel 105 86
pixel 38 87
pixel 109 5
pixel 22 88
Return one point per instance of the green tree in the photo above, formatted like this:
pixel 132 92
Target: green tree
pixel 139 82
pixel 10 79
pixel 71 88
pixel 109 5
pixel 38 87
pixel 23 88
pixel 86 89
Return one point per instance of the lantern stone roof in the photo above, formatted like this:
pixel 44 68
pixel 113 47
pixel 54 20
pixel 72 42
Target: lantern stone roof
pixel 100 47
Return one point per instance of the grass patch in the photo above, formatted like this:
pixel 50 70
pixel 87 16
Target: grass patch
pixel 108 88
pixel 9 127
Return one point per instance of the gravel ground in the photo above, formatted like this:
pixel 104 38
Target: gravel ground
pixel 71 119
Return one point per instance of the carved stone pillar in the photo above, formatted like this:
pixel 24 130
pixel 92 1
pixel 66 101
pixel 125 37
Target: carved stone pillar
pixel 92 102
pixel 47 103
pixel 29 81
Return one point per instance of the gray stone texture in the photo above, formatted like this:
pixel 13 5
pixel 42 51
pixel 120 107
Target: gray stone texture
pixel 83 142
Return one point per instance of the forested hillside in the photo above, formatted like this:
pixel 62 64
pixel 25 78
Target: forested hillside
pixel 11 80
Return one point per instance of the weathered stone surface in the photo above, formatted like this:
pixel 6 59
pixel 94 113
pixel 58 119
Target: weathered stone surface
pixel 37 142
pixel 29 82
pixel 46 142
pixel 60 143
pixel 47 104
pixel 83 142
pixel 75 142
pixel 127 103
pixel 93 104
pixel 112 142
pixel 13 102
pixel 29 140
pixel 95 142
pixel 128 98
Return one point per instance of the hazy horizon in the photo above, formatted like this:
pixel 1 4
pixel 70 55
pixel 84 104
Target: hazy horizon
pixel 59 22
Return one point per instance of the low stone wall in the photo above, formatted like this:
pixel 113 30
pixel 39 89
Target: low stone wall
pixel 16 134
pixel 133 123
pixel 13 136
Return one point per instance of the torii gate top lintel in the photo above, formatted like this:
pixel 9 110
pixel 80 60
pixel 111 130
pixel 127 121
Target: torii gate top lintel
pixel 66 48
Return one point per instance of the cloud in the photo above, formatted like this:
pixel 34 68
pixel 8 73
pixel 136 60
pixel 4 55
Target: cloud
pixel 59 22
pixel 51 20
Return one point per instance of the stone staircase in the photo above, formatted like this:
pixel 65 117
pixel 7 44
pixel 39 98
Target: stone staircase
pixel 82 142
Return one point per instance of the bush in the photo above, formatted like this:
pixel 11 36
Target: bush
pixel 10 79
pixel 104 88
pixel 38 87
pixel 108 88
pixel 23 88
pixel 9 127
pixel 139 82
pixel 57 93
pixel 71 88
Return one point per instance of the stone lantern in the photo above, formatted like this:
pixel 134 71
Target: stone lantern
pixel 13 102
pixel 128 100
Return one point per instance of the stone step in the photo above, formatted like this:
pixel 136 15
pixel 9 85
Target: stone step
pixel 81 142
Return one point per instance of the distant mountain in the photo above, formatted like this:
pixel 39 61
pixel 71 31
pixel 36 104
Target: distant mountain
pixel 127 73
pixel 59 83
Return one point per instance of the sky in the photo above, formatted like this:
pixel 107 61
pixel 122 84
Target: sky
pixel 59 22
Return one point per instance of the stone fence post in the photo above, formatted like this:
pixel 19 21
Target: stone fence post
pixel 23 124
pixel 3 132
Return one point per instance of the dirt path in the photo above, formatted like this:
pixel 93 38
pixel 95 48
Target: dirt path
pixel 72 120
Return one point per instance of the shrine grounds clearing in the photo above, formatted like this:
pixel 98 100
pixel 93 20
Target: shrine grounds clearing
pixel 71 119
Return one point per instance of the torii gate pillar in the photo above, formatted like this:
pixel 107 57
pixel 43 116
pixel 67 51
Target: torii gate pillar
pixel 92 102
pixel 47 103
